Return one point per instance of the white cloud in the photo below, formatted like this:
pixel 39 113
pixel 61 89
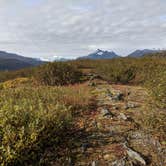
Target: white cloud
pixel 76 27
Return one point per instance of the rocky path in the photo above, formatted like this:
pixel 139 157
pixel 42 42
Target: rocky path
pixel 113 134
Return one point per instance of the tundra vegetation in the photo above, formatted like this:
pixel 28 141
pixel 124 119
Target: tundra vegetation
pixel 39 106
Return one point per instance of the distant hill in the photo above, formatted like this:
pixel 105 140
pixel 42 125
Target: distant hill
pixel 140 53
pixel 13 64
pixel 10 61
pixel 100 54
pixel 161 54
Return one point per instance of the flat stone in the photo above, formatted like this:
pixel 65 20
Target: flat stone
pixel 135 155
pixel 130 105
pixel 120 162
pixel 122 116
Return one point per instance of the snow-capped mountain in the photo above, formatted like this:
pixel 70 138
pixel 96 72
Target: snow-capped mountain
pixel 100 54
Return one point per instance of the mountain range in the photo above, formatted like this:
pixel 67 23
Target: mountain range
pixel 100 54
pixel 10 61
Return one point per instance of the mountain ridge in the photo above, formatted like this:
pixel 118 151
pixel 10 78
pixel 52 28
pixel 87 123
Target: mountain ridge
pixel 12 61
pixel 100 54
pixel 140 53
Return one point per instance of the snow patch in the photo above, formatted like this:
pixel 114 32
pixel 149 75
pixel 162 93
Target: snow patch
pixel 100 53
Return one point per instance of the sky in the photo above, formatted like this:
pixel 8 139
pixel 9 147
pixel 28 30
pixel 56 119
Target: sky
pixel 70 28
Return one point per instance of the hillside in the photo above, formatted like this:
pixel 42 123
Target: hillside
pixel 161 54
pixel 13 64
pixel 140 53
pixel 10 61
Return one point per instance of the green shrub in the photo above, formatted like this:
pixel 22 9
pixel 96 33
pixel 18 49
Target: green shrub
pixel 33 119
pixel 25 131
pixel 117 71
pixel 10 75
pixel 57 74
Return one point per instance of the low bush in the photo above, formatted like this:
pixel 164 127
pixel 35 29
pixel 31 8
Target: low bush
pixel 117 71
pixel 35 118
pixel 57 74
pixel 10 75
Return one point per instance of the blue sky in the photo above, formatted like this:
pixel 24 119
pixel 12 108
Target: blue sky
pixel 71 28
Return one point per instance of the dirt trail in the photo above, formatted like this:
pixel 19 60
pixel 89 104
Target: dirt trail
pixel 113 133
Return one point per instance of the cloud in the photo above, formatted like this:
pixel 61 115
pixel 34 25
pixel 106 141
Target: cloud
pixel 70 28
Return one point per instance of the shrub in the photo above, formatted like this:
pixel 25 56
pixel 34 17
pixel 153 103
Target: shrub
pixel 10 75
pixel 34 118
pixel 57 74
pixel 117 71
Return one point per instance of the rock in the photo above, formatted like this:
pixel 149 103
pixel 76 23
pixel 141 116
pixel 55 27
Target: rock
pixel 136 135
pixel 122 116
pixel 94 163
pixel 129 105
pixel 134 155
pixel 92 84
pixel 120 162
pixel 95 124
pixel 117 97
pixel 94 76
pixel 112 130
pixel 115 107
pixel 126 107
pixel 106 113
pixel 109 93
